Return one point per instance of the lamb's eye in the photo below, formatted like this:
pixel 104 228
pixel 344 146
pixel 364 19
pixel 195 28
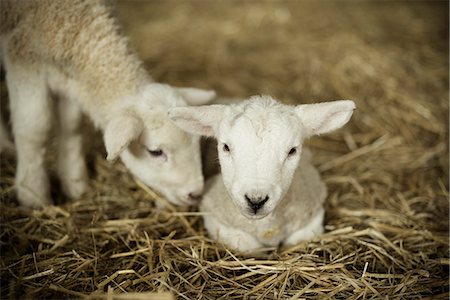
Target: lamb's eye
pixel 225 148
pixel 292 151
pixel 156 153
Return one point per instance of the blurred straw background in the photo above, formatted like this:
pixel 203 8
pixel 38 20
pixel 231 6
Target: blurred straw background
pixel 387 212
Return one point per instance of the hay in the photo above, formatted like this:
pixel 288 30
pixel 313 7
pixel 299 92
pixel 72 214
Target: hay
pixel 387 171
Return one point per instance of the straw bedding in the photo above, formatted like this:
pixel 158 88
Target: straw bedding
pixel 387 170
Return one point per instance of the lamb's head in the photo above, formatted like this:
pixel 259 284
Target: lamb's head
pixel 260 143
pixel 156 151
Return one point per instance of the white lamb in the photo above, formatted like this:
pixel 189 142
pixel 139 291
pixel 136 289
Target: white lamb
pixel 253 203
pixel 71 51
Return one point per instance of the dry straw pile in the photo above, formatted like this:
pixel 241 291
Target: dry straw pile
pixel 387 171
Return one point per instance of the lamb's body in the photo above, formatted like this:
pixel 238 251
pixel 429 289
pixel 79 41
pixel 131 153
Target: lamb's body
pixel 297 217
pixel 73 50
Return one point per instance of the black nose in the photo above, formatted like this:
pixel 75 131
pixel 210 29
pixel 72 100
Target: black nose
pixel 256 203
pixel 195 196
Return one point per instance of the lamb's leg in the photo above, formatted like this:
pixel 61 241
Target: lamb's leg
pixel 231 237
pixel 71 165
pixel 313 228
pixel 31 114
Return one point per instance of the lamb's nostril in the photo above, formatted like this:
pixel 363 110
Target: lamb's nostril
pixel 195 196
pixel 248 198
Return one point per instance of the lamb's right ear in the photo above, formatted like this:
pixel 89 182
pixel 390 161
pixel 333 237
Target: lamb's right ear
pixel 324 117
pixel 120 131
pixel 201 120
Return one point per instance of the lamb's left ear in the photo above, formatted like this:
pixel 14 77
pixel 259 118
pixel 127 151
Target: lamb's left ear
pixel 194 96
pixel 120 131
pixel 201 120
pixel 325 117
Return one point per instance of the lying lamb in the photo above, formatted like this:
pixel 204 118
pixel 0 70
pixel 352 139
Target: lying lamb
pixel 73 49
pixel 267 194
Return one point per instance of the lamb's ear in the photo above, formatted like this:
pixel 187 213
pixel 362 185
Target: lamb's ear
pixel 120 132
pixel 194 96
pixel 325 117
pixel 201 120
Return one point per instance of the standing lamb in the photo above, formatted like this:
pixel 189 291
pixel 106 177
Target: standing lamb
pixel 72 51
pixel 266 194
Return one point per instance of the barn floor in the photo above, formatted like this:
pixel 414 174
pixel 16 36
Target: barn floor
pixel 387 216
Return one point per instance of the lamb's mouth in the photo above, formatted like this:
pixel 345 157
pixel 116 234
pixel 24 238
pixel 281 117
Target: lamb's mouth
pixel 249 214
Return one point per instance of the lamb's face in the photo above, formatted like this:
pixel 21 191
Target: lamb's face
pixel 168 160
pixel 259 151
pixel 156 151
pixel 260 143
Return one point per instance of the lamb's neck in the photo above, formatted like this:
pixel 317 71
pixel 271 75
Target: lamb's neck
pixel 91 50
pixel 108 69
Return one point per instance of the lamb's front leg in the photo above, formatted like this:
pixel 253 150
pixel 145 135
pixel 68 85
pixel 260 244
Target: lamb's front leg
pixel 31 113
pixel 232 237
pixel 313 228
pixel 71 165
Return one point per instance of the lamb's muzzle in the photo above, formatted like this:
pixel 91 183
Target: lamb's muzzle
pixel 255 203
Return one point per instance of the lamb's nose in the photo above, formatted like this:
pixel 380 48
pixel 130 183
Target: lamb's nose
pixel 256 203
pixel 195 190
pixel 195 196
